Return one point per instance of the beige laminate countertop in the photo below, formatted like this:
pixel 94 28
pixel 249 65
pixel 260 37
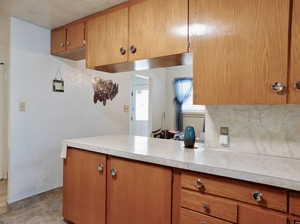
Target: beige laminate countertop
pixel 274 171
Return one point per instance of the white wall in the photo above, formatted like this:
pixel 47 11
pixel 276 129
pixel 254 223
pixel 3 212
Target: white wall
pixel 4 56
pixel 36 135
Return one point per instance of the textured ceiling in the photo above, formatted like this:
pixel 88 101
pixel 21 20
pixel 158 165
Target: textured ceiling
pixel 53 13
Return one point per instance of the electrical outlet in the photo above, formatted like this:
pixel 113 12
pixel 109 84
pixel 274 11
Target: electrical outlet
pixel 22 106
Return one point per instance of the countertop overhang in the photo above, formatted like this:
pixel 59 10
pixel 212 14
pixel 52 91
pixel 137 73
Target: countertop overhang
pixel 269 170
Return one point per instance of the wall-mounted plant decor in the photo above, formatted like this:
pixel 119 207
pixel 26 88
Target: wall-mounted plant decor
pixel 104 90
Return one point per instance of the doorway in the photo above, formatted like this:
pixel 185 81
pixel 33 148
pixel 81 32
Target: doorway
pixel 140 124
pixel 3 135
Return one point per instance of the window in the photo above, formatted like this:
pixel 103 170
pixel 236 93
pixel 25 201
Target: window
pixel 188 106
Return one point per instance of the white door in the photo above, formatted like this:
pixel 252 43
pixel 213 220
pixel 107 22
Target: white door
pixel 139 114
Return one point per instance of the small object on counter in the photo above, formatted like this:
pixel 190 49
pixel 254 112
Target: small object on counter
pixel 189 137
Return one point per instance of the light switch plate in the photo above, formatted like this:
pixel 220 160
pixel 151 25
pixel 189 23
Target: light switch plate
pixel 126 108
pixel 22 107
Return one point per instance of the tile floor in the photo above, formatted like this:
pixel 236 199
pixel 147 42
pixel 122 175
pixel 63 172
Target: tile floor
pixel 45 208
pixel 3 195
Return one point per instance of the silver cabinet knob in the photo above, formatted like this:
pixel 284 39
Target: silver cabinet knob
pixel 199 184
pixel 297 86
pixel 205 207
pixel 133 49
pixel 257 196
pixel 122 51
pixel 113 172
pixel 278 87
pixel 100 167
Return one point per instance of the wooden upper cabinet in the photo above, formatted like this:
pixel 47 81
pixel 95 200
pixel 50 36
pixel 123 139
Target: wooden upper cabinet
pixel 158 28
pixel 84 187
pixel 107 38
pixel 240 50
pixel 294 91
pixel 58 41
pixel 251 215
pixel 69 41
pixel 138 193
pixel 75 36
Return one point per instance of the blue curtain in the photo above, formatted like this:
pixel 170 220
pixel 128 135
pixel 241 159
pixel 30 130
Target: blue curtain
pixel 183 90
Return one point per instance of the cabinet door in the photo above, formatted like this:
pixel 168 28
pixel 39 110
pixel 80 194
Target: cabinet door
pixel 84 187
pixel 294 94
pixel 250 215
pixel 138 193
pixel 107 38
pixel 240 50
pixel 76 36
pixel 158 28
pixel 58 41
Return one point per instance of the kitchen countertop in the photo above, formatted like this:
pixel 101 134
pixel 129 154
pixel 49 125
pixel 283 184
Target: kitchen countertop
pixel 274 171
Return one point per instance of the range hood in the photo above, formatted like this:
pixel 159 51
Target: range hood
pixel 145 64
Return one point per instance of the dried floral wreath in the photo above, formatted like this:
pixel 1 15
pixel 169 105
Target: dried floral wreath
pixel 104 90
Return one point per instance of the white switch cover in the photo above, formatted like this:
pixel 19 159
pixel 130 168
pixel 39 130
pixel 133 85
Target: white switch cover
pixel 22 107
pixel 126 108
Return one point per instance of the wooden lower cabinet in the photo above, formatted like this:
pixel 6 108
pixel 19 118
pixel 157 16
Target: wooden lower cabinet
pixel 100 189
pixel 84 198
pixel 138 193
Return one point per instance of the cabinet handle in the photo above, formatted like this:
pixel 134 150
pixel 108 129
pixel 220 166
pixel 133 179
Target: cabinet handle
pixel 62 44
pixel 278 87
pixel 257 196
pixel 113 172
pixel 206 207
pixel 68 43
pixel 100 168
pixel 122 51
pixel 84 42
pixel 133 49
pixel 297 86
pixel 199 184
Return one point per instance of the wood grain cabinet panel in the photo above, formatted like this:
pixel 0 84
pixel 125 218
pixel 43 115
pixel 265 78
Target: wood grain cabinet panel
pixel 75 36
pixel 294 93
pixel 273 198
pixel 107 34
pixel 84 189
pixel 209 205
pixel 251 215
pixel 138 193
pixel 240 48
pixel 58 41
pixel 191 217
pixel 158 28
pixel 295 203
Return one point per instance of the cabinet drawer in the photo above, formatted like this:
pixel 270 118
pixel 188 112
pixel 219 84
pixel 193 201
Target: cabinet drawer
pixel 255 215
pixel 191 217
pixel 295 203
pixel 210 205
pixel 269 197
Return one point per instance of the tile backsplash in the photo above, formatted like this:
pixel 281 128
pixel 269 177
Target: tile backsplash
pixel 261 129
